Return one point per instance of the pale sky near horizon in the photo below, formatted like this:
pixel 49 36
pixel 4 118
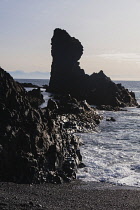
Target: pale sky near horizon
pixel 109 30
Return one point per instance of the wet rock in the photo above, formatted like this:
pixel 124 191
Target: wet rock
pixel 108 108
pixel 68 78
pixel 76 116
pixel 111 119
pixel 46 87
pixel 85 105
pixel 81 165
pixel 28 85
pixel 69 168
pixel 70 124
pixel 52 105
pixel 35 97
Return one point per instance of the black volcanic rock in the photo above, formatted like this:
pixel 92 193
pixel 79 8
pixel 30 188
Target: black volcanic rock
pixel 35 97
pixel 31 145
pixel 29 85
pixel 66 51
pixel 35 146
pixel 68 77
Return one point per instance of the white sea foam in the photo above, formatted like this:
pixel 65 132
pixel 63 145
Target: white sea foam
pixel 46 97
pixel 113 154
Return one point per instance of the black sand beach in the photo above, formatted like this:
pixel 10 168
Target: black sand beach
pixel 75 195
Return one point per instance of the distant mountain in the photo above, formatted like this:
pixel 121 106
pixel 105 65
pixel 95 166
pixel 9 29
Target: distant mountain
pixel 29 75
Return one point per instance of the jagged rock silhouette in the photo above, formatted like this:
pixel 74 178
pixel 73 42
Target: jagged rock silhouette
pixel 68 77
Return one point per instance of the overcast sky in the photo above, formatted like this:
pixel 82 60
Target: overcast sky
pixel 109 30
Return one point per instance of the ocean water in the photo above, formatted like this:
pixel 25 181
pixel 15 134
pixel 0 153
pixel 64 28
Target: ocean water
pixel 112 154
pixel 40 83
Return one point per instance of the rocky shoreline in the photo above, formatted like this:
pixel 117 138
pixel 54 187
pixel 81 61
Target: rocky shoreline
pixel 38 145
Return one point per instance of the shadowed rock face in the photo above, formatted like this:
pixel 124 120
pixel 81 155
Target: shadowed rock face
pixel 66 51
pixel 35 144
pixel 35 97
pixel 33 148
pixel 68 77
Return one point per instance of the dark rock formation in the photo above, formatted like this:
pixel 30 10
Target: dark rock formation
pixel 35 97
pixel 46 87
pixel 68 77
pixel 76 116
pixel 25 84
pixel 35 146
pixel 111 119
pixel 66 72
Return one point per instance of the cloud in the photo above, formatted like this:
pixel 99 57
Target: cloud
pixel 130 57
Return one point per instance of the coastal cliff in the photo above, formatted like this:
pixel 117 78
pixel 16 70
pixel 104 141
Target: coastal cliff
pixel 68 77
pixel 37 145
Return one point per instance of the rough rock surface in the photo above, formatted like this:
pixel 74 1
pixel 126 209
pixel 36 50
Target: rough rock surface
pixel 25 84
pixel 35 97
pixel 35 146
pixel 68 77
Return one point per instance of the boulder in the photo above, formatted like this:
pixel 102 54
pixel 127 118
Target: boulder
pixel 68 78
pixel 35 97
pixel 111 119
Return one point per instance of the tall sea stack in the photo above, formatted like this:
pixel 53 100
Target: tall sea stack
pixel 66 51
pixel 68 77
